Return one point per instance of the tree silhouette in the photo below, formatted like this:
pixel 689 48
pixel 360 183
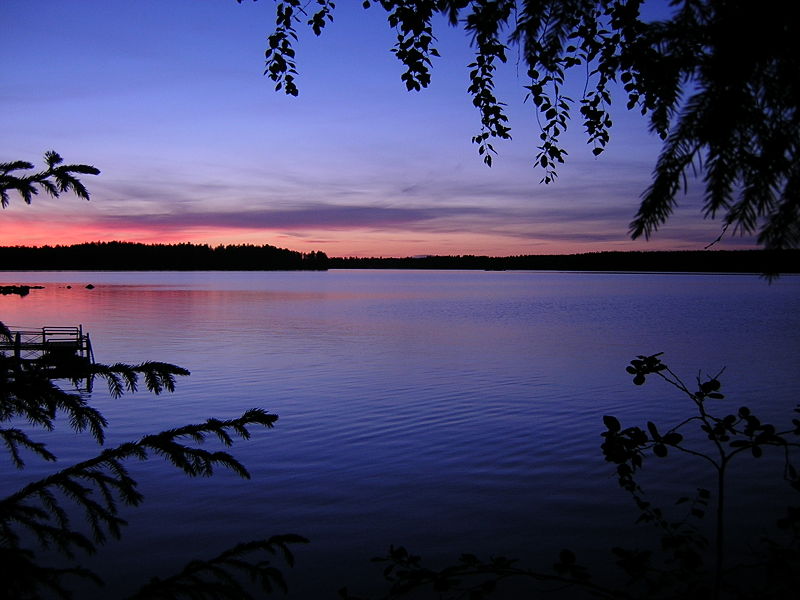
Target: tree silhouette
pixel 56 179
pixel 719 82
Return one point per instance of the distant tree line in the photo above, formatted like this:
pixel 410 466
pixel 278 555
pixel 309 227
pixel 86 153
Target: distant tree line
pixel 129 256
pixel 724 261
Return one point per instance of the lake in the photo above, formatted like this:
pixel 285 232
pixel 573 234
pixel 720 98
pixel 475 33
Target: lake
pixel 446 411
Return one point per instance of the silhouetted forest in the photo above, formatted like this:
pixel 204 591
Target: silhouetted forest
pixel 128 256
pixel 722 261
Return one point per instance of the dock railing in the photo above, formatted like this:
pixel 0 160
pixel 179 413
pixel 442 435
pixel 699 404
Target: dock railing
pixel 32 344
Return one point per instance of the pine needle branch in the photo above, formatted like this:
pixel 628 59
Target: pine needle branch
pixel 15 439
pixel 29 578
pixel 54 180
pixel 220 577
pixel 28 393
pixel 98 485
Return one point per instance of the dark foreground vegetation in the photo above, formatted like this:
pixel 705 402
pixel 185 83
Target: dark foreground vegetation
pixel 39 515
pixel 688 554
pixel 127 256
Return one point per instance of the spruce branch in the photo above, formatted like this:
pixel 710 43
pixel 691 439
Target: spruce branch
pixel 29 577
pixel 158 376
pixel 99 484
pixel 56 179
pixel 15 439
pixel 26 392
pixel 220 577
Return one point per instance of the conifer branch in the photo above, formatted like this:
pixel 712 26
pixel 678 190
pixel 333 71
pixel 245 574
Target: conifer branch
pixel 16 438
pixel 219 577
pixel 27 393
pixel 158 376
pixel 28 576
pixel 98 485
pixel 55 180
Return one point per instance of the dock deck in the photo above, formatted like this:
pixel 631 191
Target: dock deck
pixel 33 344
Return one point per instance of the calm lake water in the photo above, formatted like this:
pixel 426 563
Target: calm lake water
pixel 445 411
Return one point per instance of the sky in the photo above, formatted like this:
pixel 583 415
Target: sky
pixel 168 99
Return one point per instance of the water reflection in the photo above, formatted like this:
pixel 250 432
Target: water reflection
pixel 410 403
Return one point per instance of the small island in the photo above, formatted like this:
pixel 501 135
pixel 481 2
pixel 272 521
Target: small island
pixel 18 290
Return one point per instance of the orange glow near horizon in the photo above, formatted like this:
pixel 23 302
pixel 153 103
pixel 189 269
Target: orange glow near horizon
pixel 361 243
pixel 356 242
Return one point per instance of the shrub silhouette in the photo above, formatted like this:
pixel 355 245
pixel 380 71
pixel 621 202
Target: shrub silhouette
pixel 687 563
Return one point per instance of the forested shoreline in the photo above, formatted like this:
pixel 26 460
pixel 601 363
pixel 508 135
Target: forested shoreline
pixel 129 256
pixel 693 261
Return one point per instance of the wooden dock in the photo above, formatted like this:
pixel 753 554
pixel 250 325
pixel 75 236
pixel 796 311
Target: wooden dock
pixel 33 344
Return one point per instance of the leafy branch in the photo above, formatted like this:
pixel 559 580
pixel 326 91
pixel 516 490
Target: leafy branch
pixel 488 50
pixel 686 565
pixel 280 53
pixel 725 111
pixel 477 579
pixel 729 436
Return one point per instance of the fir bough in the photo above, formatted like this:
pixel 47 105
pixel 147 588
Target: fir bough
pixel 43 512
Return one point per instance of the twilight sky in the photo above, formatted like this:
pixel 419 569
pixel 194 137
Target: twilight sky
pixel 168 100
